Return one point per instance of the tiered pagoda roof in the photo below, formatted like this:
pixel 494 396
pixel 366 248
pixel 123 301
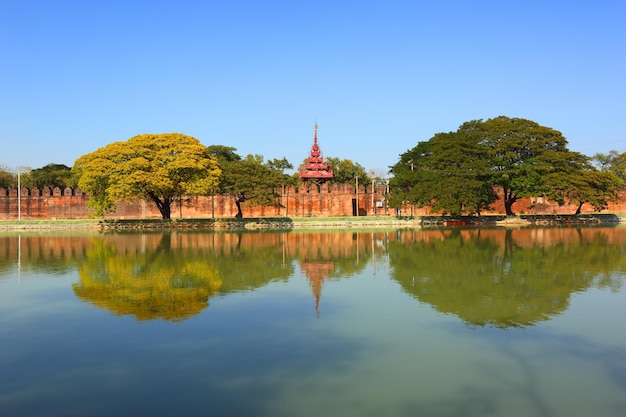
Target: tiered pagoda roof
pixel 315 167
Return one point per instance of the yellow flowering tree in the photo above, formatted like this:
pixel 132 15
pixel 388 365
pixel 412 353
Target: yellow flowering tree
pixel 154 167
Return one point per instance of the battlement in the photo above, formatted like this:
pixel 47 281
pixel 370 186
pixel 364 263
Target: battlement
pixel 44 192
pixel 306 200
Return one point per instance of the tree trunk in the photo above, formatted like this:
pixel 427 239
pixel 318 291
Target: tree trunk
pixel 238 200
pixel 508 203
pixel 509 199
pixel 164 206
pixel 580 206
pixel 165 210
pixel 239 214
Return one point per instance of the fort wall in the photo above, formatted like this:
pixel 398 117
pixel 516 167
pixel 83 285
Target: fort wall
pixel 303 201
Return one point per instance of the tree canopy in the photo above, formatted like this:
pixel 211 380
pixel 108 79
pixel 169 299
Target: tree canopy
pixel 345 171
pixel 446 173
pixel 575 181
pixel 250 179
pixel 51 176
pixel 6 177
pixel 460 171
pixel 613 162
pixel 155 167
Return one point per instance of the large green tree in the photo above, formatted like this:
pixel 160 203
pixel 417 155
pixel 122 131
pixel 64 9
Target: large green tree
pixel 345 171
pixel 575 180
pixel 250 179
pixel 459 171
pixel 155 167
pixel 521 153
pixel 51 176
pixel 446 173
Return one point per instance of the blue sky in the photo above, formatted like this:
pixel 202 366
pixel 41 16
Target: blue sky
pixel 377 76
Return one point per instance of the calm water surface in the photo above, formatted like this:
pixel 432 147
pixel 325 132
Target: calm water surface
pixel 456 322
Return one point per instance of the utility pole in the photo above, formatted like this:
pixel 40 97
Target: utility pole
pixel 19 196
pixel 373 206
pixel 357 195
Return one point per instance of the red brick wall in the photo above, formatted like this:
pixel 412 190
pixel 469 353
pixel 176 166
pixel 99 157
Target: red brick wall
pixel 314 201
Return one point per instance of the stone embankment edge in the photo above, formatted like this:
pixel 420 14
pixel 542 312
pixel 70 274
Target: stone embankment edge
pixel 219 225
pixel 233 224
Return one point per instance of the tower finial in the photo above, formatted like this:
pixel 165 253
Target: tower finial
pixel 315 168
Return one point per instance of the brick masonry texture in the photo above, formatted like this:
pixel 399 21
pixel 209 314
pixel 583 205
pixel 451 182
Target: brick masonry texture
pixel 312 201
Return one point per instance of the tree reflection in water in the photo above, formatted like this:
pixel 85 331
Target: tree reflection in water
pixel 505 278
pixel 486 277
pixel 147 284
pixel 172 276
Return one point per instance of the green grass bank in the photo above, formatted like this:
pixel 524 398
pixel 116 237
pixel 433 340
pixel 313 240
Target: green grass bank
pixel 300 222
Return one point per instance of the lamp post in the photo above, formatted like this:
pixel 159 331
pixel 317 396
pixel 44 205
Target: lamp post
pixel 19 196
pixel 357 194
pixel 19 170
pixel 386 195
pixel 373 205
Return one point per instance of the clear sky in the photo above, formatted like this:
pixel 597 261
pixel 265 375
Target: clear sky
pixel 377 76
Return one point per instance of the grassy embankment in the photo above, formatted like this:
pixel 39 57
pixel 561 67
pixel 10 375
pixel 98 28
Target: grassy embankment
pixel 252 223
pixel 221 224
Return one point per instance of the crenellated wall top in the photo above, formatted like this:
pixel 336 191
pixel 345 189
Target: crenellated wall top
pixel 325 188
pixel 44 192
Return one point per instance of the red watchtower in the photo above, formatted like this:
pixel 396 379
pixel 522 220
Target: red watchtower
pixel 315 168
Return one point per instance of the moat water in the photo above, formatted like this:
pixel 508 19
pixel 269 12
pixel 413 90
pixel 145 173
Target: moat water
pixel 443 322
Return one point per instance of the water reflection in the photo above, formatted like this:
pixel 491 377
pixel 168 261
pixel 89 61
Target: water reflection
pixel 149 284
pixel 331 256
pixel 486 277
pixel 172 276
pixel 51 253
pixel 507 278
